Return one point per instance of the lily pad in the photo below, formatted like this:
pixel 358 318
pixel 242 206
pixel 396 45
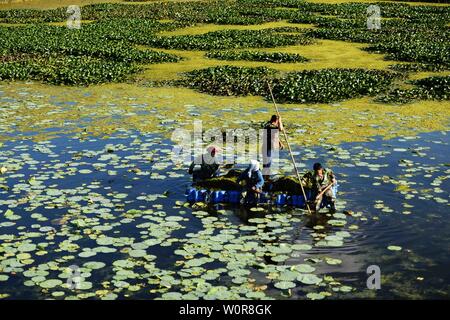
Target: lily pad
pixel 309 279
pixel 315 296
pixel 284 285
pixel 51 283
pixel 394 248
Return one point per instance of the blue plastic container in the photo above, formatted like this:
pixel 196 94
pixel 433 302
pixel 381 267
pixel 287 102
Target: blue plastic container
pixel 301 201
pixel 222 196
pixel 214 196
pixel 297 200
pixel 281 200
pixel 218 197
pixel 191 194
pixel 234 196
pixel 309 195
pixel 201 195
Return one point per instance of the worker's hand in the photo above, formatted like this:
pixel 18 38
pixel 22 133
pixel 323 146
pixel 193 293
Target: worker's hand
pixel 281 146
pixel 334 181
pixel 256 190
pixel 281 127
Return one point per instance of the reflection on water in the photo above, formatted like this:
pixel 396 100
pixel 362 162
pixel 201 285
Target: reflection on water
pixel 114 207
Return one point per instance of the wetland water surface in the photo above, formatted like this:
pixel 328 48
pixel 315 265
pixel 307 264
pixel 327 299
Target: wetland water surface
pixel 109 215
pixel 91 205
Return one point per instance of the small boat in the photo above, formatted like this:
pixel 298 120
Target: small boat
pixel 238 196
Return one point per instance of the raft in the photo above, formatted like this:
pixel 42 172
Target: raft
pixel 236 197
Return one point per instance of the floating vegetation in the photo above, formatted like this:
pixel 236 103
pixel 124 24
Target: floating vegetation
pixel 326 85
pixel 111 34
pixel 285 184
pixel 275 57
pixel 416 67
pixel 230 39
pixel 230 80
pixel 62 56
pixel 330 85
pixel 68 70
pixel 431 88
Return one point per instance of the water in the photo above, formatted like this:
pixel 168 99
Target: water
pixel 65 194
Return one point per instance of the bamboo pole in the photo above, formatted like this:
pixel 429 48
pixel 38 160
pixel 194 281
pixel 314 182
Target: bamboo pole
pixel 290 150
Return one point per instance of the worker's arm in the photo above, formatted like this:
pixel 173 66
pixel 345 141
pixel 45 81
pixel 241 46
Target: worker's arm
pixel 280 126
pixel 260 182
pixel 278 133
pixel 332 177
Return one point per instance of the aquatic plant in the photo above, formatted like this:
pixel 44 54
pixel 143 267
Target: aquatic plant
pixel 326 85
pixel 417 34
pixel 416 67
pixel 229 39
pixel 430 88
pixel 69 70
pixel 41 39
pixel 62 56
pixel 275 57
pixel 330 85
pixel 230 80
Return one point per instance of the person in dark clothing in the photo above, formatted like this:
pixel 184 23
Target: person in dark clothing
pixel 271 141
pixel 205 166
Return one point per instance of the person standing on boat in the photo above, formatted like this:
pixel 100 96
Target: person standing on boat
pixel 318 180
pixel 254 181
pixel 271 141
pixel 205 166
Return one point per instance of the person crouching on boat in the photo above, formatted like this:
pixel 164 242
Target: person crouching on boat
pixel 254 181
pixel 319 180
pixel 205 166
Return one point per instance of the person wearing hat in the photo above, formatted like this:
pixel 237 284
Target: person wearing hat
pixel 254 181
pixel 318 180
pixel 205 166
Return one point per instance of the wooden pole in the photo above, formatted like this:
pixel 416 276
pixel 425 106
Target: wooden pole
pixel 290 150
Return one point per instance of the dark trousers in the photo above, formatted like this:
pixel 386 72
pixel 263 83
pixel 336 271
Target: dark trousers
pixel 267 162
